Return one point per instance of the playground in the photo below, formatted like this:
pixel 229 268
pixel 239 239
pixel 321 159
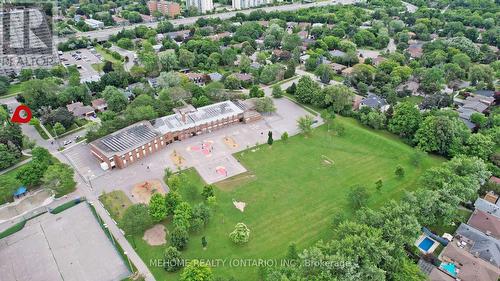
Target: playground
pixel 142 192
pixel 25 202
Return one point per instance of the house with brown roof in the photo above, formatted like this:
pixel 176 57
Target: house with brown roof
pixel 244 77
pixel 415 50
pixel 487 223
pixel 80 110
pixel 337 67
pixel 99 105
pixel 465 266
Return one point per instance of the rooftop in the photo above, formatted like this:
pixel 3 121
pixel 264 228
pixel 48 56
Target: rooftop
pixel 470 267
pixel 487 207
pixel 374 101
pixel 486 223
pixel 480 244
pixel 202 115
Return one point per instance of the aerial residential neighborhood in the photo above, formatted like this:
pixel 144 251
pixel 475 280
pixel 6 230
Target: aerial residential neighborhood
pixel 215 140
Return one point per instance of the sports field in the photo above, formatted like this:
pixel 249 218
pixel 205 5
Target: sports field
pixel 294 190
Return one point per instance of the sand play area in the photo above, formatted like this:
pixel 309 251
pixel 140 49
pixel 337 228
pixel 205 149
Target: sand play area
pixel 177 159
pixel 230 142
pixel 143 191
pixel 156 236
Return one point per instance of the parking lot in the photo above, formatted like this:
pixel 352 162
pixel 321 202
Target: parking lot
pixel 83 59
pixel 69 246
pixel 84 162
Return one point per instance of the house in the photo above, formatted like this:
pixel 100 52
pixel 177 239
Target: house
pixel 215 76
pixel 198 78
pixel 244 77
pixel 303 34
pixel 347 71
pixel 377 60
pixel 255 65
pixel 459 264
pixel 337 54
pixel 147 18
pixel 304 25
pixel 487 207
pixel 95 24
pixel 99 105
pixel 304 58
pixel 494 180
pixel 308 42
pixel 157 47
pixel 486 223
pixel 375 102
pixel 281 55
pixel 338 68
pixel 120 21
pixel 153 82
pixel 356 102
pixel 485 93
pixel 180 35
pixel 479 244
pixel 409 88
pixel 218 36
pixel 80 110
pixel 415 50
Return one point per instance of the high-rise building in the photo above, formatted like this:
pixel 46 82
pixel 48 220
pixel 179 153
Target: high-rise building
pixel 245 4
pixel 166 8
pixel 202 5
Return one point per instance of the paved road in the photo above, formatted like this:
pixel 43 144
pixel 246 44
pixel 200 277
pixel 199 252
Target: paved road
pixel 104 34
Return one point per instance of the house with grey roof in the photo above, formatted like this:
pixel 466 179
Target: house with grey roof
pixel 215 76
pixel 479 244
pixel 375 102
pixel 337 54
pixel 487 207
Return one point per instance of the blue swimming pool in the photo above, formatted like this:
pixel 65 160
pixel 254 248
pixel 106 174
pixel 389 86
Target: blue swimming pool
pixel 426 244
pixel 450 268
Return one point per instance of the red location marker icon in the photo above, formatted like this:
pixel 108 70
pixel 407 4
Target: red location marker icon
pixel 24 118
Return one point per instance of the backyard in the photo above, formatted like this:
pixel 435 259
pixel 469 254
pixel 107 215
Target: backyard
pixel 294 190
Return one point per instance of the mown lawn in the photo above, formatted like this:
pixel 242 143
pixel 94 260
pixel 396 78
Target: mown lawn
pixel 8 184
pixel 293 192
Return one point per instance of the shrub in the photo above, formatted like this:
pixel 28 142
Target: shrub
pixel 240 234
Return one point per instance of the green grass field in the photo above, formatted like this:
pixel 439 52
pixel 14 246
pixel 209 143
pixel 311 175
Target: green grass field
pixel 8 184
pixel 293 192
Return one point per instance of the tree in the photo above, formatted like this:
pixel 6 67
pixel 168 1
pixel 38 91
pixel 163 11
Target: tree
pixel 59 178
pixel 432 80
pixel 339 98
pixel 172 259
pixel 306 89
pixel 284 136
pixel 400 171
pixel 172 200
pixel 204 242
pixel 157 207
pixel 265 105
pixel 405 120
pixel 169 79
pixel 107 67
pixel 277 92
pixel 115 99
pixel 168 61
pixel 186 58
pixel 182 215
pixel 136 219
pixel 358 196
pixel 59 128
pixel 240 234
pixel 442 134
pixel 270 138
pixel 374 119
pixel 179 238
pixel 481 73
pixel 292 252
pixel 8 156
pixel 290 41
pixel 305 124
pixel 208 191
pixel 255 92
pixel 196 271
pixel 325 73
pixel 292 89
pixel 379 184
pixel 480 146
pixel 479 119
pixel 125 43
pixel 232 83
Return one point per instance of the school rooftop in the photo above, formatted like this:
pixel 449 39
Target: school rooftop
pixel 185 118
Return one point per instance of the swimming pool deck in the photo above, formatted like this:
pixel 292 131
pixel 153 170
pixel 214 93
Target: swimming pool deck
pixel 431 249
